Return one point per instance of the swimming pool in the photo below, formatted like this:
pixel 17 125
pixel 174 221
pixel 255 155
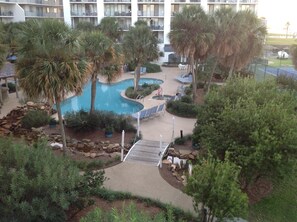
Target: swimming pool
pixel 108 97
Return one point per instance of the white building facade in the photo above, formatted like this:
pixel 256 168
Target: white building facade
pixel 157 13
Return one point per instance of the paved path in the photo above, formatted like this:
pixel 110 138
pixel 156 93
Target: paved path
pixel 145 181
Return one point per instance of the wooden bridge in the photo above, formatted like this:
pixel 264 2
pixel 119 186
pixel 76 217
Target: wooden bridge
pixel 147 152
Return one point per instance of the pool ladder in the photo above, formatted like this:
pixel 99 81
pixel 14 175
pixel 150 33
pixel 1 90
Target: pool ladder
pixel 139 97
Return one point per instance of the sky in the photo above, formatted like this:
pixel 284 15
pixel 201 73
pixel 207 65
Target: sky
pixel 278 13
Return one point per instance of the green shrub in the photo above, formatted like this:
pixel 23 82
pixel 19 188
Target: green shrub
pixel 288 82
pixel 83 121
pixel 186 99
pixel 152 68
pixel 36 185
pixel 143 90
pixel 35 118
pixel 200 85
pixel 188 90
pixel 180 141
pixel 182 109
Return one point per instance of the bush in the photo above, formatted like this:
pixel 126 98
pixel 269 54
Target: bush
pixel 143 90
pixel 182 109
pixel 152 68
pixel 180 141
pixel 186 99
pixel 83 121
pixel 35 184
pixel 35 118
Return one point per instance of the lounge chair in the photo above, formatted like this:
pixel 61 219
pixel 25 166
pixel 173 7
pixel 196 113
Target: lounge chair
pixel 161 109
pixel 185 78
pixel 152 111
pixel 142 114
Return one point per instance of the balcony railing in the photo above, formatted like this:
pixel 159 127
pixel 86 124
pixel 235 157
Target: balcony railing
pixel 6 13
pixel 42 2
pixel 222 1
pixel 73 13
pixel 150 0
pixel 83 1
pixel 117 13
pixel 249 1
pixel 42 14
pixel 149 14
pixel 117 1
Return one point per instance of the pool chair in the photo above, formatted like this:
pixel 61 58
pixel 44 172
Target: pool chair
pixel 161 109
pixel 150 112
pixel 184 78
pixel 142 114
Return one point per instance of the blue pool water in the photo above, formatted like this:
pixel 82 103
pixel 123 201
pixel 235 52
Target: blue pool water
pixel 108 97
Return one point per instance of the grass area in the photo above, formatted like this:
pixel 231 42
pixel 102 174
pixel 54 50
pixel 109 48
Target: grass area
pixel 278 63
pixel 281 205
pixel 281 41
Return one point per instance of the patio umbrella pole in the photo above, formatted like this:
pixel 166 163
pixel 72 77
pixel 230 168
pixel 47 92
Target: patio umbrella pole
pixel 160 154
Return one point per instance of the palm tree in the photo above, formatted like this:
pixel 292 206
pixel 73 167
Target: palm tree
pixel 191 36
pixel 104 57
pixel 294 55
pixel 251 32
pixel 140 46
pixel 226 41
pixel 110 27
pixel 49 64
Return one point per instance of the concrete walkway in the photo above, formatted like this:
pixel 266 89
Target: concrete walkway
pixel 145 180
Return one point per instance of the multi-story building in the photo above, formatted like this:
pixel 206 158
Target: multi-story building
pixel 157 13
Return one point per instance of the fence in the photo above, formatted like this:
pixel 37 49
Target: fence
pixel 263 71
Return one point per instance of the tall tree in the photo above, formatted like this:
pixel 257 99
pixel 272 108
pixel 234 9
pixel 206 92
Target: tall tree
pixel 251 31
pixel 104 57
pixel 254 123
pixel 140 46
pixel 191 36
pixel 49 64
pixel 214 184
pixel 110 27
pixel 226 41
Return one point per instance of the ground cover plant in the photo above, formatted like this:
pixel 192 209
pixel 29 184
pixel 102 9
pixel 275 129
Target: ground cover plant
pixel 35 118
pixel 36 185
pixel 143 90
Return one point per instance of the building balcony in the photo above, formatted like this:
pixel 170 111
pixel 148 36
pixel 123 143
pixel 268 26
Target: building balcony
pixel 150 14
pixel 43 15
pixel 248 1
pixel 157 27
pixel 83 14
pixel 150 1
pixel 117 1
pixel 223 1
pixel 39 2
pixel 6 13
pixel 120 14
pixel 83 1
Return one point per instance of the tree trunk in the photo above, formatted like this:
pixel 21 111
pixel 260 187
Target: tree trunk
pixel 194 82
pixel 61 127
pixel 211 74
pixel 232 67
pixel 203 214
pixel 136 77
pixel 93 92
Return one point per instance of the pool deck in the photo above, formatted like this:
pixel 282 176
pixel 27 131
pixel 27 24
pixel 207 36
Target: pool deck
pixel 152 128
